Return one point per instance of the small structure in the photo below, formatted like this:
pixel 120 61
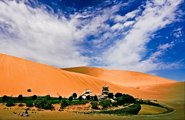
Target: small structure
pixel 86 93
pixel 103 95
pixel 105 92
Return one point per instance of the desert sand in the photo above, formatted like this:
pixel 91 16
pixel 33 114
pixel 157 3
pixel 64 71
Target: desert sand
pixel 121 77
pixel 18 75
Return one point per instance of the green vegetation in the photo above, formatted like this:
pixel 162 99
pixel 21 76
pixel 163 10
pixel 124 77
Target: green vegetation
pixel 115 104
pixel 5 98
pixel 20 98
pixel 43 103
pixel 64 103
pixel 60 98
pixel 74 95
pixel 34 97
pixel 105 103
pixel 110 95
pixel 10 103
pixel 80 98
pixel 29 104
pixel 94 105
pixel 133 109
pixel 70 98
pixel 117 95
pixel 88 97
pixel 95 98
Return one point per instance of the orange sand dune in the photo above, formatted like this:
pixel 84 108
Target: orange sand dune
pixel 121 77
pixel 167 91
pixel 17 75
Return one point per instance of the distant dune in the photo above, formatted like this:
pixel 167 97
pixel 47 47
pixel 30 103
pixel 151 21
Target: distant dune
pixel 121 77
pixel 17 75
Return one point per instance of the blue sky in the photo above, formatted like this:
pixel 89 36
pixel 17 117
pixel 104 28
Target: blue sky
pixel 146 36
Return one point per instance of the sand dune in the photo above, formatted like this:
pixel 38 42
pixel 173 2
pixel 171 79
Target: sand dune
pixel 167 91
pixel 17 75
pixel 121 77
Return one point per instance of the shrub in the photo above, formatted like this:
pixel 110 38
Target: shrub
pixel 70 98
pixel 60 98
pixel 94 105
pixel 43 103
pixel 28 90
pixel 80 98
pixel 110 95
pixel 105 103
pixel 118 95
pixel 20 97
pixel 88 97
pixel 48 97
pixel 128 98
pixel 63 104
pixel 29 104
pixel 74 95
pixel 134 109
pixel 5 98
pixel 120 101
pixel 10 103
pixel 115 104
pixel 95 98
pixel 34 97
pixel 20 105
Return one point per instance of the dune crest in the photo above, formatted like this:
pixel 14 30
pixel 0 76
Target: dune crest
pixel 121 77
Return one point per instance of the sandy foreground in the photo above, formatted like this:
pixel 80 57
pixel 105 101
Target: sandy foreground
pixel 8 113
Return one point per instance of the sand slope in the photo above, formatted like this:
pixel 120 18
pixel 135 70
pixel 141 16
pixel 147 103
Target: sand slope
pixel 121 77
pixel 17 75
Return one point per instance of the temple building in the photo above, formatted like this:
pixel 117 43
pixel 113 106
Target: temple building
pixel 105 92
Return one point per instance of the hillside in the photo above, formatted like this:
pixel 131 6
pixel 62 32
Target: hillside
pixel 121 77
pixel 17 75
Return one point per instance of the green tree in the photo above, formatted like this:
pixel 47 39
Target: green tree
pixel 63 104
pixel 34 97
pixel 29 104
pixel 43 103
pixel 128 98
pixel 95 98
pixel 74 95
pixel 80 98
pixel 60 98
pixel 20 97
pixel 70 98
pixel 110 95
pixel 105 103
pixel 48 97
pixel 88 97
pixel 94 105
pixel 10 103
pixel 118 95
pixel 5 98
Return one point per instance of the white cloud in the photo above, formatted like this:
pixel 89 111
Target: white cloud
pixel 37 35
pixel 128 53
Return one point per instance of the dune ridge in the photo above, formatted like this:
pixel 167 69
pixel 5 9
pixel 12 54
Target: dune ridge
pixel 121 77
pixel 17 75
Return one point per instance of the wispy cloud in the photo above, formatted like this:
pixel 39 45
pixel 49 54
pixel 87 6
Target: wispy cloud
pixel 128 52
